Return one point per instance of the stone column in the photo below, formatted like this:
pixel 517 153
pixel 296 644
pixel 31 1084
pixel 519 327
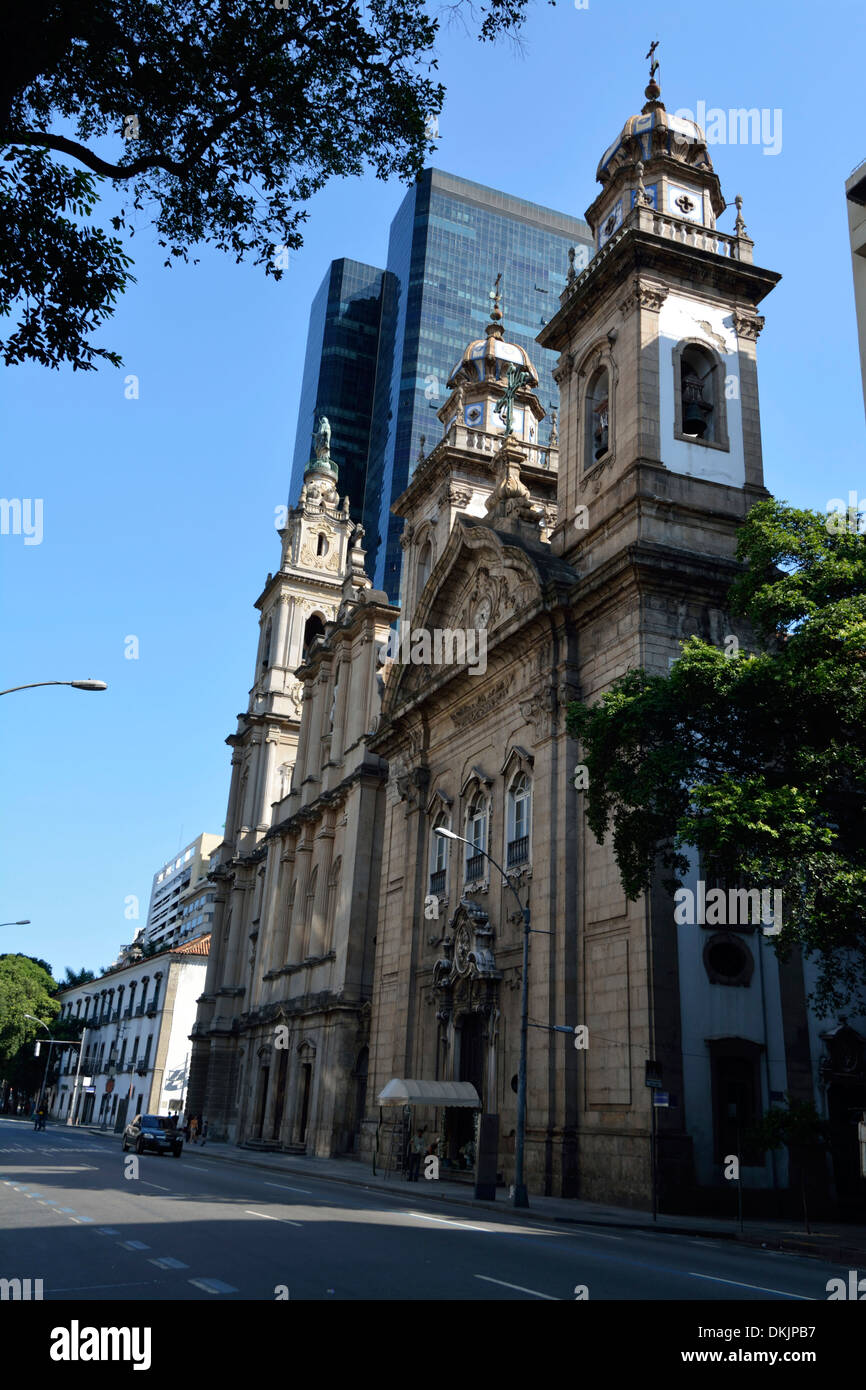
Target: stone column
pixel 325 842
pixel 344 680
pixel 266 769
pixel 303 856
pixel 281 657
pixel 362 677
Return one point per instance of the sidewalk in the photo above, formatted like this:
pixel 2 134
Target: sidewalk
pixel 833 1241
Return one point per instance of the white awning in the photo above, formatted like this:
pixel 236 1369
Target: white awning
pixel 443 1093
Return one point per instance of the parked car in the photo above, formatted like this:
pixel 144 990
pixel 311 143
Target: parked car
pixel 156 1132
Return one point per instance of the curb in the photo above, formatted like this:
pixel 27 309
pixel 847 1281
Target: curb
pixel 834 1254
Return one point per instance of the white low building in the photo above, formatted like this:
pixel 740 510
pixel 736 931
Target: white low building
pixel 136 1048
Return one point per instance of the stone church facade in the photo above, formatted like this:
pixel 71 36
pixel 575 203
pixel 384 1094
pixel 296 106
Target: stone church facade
pixel 659 461
pixel 352 944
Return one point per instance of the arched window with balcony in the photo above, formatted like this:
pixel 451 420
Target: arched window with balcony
pixel 439 857
pixel 518 822
pixel 477 825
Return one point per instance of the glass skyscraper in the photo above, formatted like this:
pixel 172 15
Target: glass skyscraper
pixel 340 374
pixel 449 240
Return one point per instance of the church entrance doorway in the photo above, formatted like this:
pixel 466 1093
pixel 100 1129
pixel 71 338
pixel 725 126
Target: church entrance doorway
pixel 263 1097
pixel 462 1124
pixel 304 1114
pixel 280 1100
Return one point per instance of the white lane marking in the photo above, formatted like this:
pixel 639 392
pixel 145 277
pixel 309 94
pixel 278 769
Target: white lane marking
pixel 107 1231
pixel 79 1288
pixel 195 1168
pixel 518 1287
pixel 155 1184
pixel 456 1225
pixel 760 1287
pixel 268 1217
pixel 213 1285
pixel 286 1187
pixel 133 1245
pixel 169 1262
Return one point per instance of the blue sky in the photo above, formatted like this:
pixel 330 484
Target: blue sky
pixel 158 512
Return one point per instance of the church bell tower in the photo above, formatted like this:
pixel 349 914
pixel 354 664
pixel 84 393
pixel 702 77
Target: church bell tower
pixel 660 428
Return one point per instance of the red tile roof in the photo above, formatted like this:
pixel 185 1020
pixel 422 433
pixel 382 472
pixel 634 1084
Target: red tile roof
pixel 199 947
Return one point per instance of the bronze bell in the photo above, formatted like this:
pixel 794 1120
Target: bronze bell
pixel 694 421
pixel 695 408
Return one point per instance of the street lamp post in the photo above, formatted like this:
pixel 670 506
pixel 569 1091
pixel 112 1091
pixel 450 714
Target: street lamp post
pixel 76 685
pixel 521 1197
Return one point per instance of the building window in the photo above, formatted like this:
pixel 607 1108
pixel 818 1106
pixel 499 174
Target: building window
pixel 322 544
pixel 519 819
pixel 425 565
pixel 313 628
pixel 597 412
pixel 439 857
pixel 476 834
pixel 699 396
pixel 728 960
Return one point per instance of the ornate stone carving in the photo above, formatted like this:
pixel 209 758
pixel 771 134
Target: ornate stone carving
pixel 644 295
pixel 475 710
pixel 458 495
pixel 747 325
pixel 540 711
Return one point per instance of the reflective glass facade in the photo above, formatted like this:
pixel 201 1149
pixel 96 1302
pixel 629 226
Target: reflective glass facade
pixel 449 240
pixel 340 374
pixel 382 344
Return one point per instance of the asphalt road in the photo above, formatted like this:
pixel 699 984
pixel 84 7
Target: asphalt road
pixel 202 1228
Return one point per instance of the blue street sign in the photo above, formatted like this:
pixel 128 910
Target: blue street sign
pixel 661 1099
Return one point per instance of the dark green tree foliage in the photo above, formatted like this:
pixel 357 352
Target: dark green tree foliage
pixel 25 988
pixel 758 760
pixel 218 119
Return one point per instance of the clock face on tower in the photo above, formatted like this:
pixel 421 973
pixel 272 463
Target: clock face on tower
pixel 481 616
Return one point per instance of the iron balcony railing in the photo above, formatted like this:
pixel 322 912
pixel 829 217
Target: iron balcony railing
pixel 437 881
pixel 518 851
pixel 474 867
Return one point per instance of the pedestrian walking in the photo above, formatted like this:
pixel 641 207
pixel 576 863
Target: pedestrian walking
pixel 416 1152
pixel 193 1129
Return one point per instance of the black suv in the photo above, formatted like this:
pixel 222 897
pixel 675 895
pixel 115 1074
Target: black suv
pixel 157 1132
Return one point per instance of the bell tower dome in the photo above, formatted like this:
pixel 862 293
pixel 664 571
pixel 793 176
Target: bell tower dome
pixel 657 338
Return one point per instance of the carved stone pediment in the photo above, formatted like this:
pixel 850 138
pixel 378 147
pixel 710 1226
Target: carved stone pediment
pixel 468 952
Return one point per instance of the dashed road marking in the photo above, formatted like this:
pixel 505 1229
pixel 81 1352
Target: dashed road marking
pixel 783 1293
pixel 285 1187
pixel 518 1287
pixel 213 1285
pixel 133 1245
pixel 169 1262
pixel 267 1216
